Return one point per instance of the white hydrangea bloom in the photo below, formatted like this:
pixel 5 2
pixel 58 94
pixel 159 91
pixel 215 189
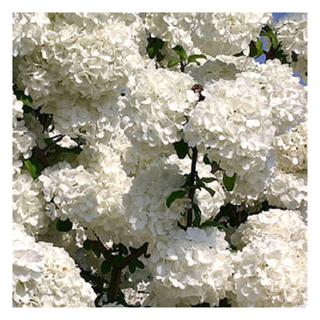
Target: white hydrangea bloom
pixel 23 140
pixel 227 33
pixel 234 123
pixel 91 193
pixel 190 267
pixel 292 149
pixel 28 204
pixel 284 224
pixel 28 30
pixel 174 28
pixel 285 95
pixel 82 56
pixel 292 32
pixel 271 269
pixel 45 276
pixel 148 216
pixel 157 105
pixel 288 190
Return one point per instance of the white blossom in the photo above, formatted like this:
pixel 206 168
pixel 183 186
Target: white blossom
pixel 271 269
pixel 190 267
pixel 292 32
pixel 234 125
pixel 45 276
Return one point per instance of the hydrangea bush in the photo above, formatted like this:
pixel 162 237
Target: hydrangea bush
pixel 156 162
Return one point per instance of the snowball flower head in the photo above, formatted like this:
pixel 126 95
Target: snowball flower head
pixel 156 106
pixel 191 267
pixel 271 268
pixel 233 125
pixel 46 276
pixel 227 33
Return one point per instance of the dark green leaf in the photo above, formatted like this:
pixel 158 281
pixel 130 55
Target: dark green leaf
pixel 173 62
pixel 194 57
pixel 87 244
pixel 181 52
pixel 208 180
pixel 212 224
pixel 259 47
pixel 153 48
pixel 27 100
pixel 206 159
pixel 211 191
pixel 197 215
pixel 175 195
pixel 123 249
pixel 34 166
pixel 132 250
pixel 117 260
pixel 96 248
pixel 105 267
pixel 64 225
pixel 181 148
pixel 139 264
pixel 132 266
pixel 267 32
pixel 229 181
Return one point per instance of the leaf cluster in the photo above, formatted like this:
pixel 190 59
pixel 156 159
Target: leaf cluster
pixel 52 153
pixel 183 59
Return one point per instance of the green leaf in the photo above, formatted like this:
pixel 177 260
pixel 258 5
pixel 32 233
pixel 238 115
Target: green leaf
pixel 181 52
pixel 259 47
pixel 181 148
pixel 133 250
pixel 132 266
pixel 117 260
pixel 206 159
pixel 208 180
pixel 34 166
pixel 211 191
pixel 273 37
pixel 229 182
pixel 197 215
pixel 105 267
pixel 139 264
pixel 87 244
pixel 194 57
pixel 175 195
pixel 27 100
pixel 64 225
pixel 123 249
pixel 153 48
pixel 95 246
pixel 210 223
pixel 173 62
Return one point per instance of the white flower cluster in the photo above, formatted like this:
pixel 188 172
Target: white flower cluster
pixel 287 190
pixel 227 33
pixel 91 193
pixel 28 204
pixel 292 32
pixel 285 95
pixel 292 149
pixel 193 267
pixel 271 269
pixel 22 138
pixel 209 33
pixel 77 55
pixel 91 73
pixel 45 276
pixel 234 123
pixel 157 106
